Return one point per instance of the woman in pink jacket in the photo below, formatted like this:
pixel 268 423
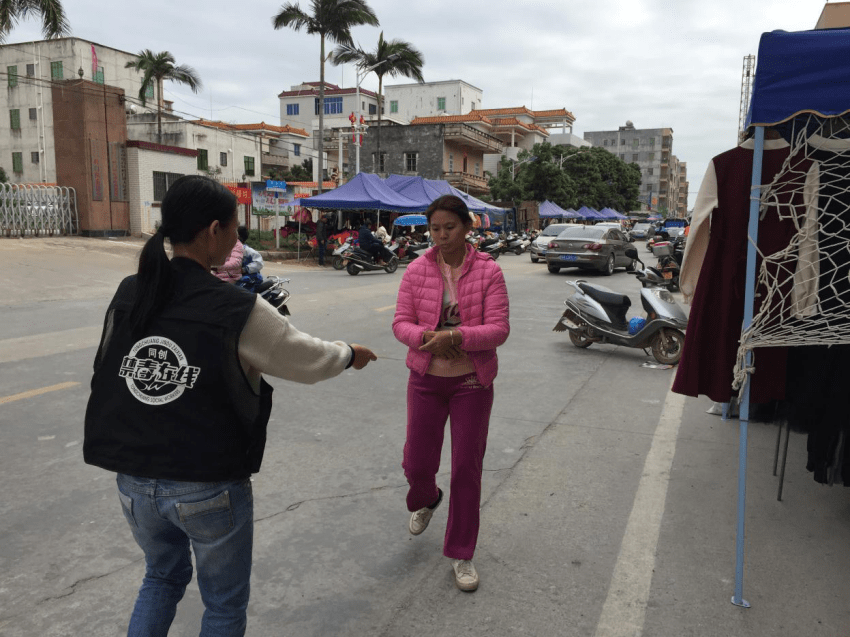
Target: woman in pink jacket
pixel 452 312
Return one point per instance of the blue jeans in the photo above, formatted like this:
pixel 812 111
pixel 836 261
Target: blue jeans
pixel 217 518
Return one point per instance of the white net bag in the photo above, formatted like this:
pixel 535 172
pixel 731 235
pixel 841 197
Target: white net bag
pixel 803 290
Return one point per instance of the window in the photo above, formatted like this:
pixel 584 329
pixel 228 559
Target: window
pixel 604 142
pixel 651 142
pixel 56 72
pixel 33 113
pixel 249 166
pixel 477 169
pixel 30 70
pixel 410 162
pixel 98 77
pixel 623 156
pixel 381 163
pixel 15 118
pixel 222 159
pixel 18 162
pixel 613 142
pixel 296 150
pixel 12 72
pixel 649 171
pixel 333 105
pixel 292 109
pixel 393 106
pixel 34 157
pixel 373 109
pixel 149 92
pixel 441 103
pixel 203 162
pixel 162 182
pixel 650 156
pixel 635 156
pixel 451 163
pixel 635 142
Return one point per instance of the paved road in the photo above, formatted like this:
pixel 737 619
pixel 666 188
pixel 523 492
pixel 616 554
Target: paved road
pixel 608 502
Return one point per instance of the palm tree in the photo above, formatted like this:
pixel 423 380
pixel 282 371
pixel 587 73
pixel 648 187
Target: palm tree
pixel 54 22
pixel 331 19
pixel 158 67
pixel 392 58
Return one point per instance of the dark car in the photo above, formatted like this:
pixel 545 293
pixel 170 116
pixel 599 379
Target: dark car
pixel 589 248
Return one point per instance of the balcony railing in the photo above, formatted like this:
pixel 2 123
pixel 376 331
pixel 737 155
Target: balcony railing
pixel 469 136
pixel 268 159
pixel 461 180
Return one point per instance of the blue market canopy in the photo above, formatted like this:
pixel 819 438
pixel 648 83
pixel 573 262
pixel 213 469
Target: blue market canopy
pixel 588 213
pixel 612 214
pixel 550 210
pixel 473 203
pixel 411 220
pixel 801 72
pixel 365 191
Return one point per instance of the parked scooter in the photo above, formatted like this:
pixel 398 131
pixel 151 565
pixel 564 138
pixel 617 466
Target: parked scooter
pixel 669 255
pixel 408 250
pixel 515 243
pixel 490 245
pixel 360 260
pixel 271 289
pixel 340 255
pixel 596 314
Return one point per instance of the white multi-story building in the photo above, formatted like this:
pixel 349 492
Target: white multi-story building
pixel 27 149
pixel 224 152
pixel 406 102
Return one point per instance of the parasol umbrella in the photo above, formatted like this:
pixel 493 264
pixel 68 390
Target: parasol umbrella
pixel 411 220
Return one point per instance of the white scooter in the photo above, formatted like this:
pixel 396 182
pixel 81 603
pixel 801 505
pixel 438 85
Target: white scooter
pixel 596 314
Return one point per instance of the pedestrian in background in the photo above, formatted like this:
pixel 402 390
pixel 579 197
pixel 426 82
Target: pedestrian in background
pixel 452 313
pixel 231 270
pixel 322 237
pixel 179 408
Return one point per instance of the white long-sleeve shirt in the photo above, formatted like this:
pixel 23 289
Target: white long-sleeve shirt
pixel 270 345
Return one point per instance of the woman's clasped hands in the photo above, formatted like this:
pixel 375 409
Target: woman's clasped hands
pixel 442 344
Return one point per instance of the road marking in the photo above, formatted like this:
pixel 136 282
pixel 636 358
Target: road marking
pixel 624 610
pixel 18 349
pixel 384 309
pixel 36 392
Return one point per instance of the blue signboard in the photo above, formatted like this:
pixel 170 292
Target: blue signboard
pixel 275 185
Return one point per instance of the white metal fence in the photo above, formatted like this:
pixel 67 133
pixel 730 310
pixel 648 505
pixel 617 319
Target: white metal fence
pixel 34 210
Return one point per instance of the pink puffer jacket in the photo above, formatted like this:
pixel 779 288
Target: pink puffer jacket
pixel 232 269
pixel 483 306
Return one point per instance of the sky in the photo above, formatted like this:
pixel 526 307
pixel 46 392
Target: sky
pixel 658 63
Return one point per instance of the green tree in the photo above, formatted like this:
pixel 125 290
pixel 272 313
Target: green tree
pixel 53 20
pixel 3 176
pixel 393 58
pixel 503 186
pixel 158 67
pixel 331 20
pixel 599 179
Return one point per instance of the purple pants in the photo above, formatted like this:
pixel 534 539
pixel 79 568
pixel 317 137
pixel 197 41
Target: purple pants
pixel 430 401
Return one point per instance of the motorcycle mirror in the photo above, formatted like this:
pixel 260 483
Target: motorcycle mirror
pixel 631 253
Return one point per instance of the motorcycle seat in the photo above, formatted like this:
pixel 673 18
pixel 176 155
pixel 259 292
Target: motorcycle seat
pixel 606 298
pixel 265 285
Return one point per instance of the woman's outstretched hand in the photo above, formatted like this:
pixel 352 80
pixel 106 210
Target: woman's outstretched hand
pixel 362 356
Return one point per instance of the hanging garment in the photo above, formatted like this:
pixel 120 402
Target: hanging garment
pixel 713 277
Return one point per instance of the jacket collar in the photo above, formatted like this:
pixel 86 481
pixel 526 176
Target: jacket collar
pixel 471 255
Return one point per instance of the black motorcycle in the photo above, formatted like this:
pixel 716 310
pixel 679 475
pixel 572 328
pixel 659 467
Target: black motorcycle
pixel 270 288
pixel 409 250
pixel 359 260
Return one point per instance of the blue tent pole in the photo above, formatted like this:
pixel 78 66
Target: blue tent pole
pixel 744 417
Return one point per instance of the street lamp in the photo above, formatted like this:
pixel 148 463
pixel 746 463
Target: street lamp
pixel 360 76
pixel 519 163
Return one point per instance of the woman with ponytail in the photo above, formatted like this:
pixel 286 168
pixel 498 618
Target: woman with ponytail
pixel 179 407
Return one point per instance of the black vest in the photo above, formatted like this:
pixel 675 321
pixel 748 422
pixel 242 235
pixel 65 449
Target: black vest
pixel 174 403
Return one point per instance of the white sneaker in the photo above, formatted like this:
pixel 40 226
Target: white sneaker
pixel 420 519
pixel 466 577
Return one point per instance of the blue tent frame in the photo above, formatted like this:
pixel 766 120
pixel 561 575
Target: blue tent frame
pixel 798 72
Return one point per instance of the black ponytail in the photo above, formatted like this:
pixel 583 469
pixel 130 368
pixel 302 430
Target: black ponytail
pixel 191 204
